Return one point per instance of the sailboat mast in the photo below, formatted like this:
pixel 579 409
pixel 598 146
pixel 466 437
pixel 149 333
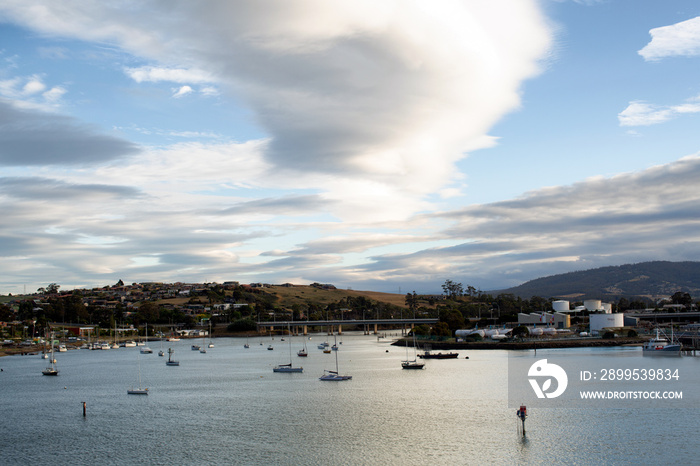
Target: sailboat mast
pixel 335 341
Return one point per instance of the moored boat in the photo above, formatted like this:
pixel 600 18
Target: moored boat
pixel 140 390
pixel 288 367
pixel 429 355
pixel 51 369
pixel 334 376
pixel 170 361
pixel 661 346
pixel 412 363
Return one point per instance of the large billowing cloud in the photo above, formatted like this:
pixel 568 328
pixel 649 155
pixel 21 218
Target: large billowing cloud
pixel 392 92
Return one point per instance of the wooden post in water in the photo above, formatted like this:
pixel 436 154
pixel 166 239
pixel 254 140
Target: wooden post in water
pixel 522 414
pixel 84 409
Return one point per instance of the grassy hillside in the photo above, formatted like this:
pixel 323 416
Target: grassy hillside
pixel 303 294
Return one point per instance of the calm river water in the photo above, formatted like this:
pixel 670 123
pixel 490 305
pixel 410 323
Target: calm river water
pixel 228 407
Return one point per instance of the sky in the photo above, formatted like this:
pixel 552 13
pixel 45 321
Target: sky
pixel 385 146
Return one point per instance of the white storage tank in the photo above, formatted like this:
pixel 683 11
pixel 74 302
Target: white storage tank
pixel 607 308
pixel 601 321
pixel 561 306
pixel 592 305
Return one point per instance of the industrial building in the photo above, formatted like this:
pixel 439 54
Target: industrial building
pixel 553 319
pixel 600 321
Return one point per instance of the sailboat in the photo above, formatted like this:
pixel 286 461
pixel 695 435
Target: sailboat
pixel 170 362
pixel 412 364
pixel 44 352
pixel 334 376
pixel 246 345
pixel 302 353
pixel 140 390
pixel 146 349
pixel 161 352
pixel 288 367
pixel 203 349
pixel 51 370
pixel 211 345
pixel 115 345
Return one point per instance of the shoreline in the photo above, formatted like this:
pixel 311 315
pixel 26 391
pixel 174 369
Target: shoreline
pixel 526 345
pixel 435 345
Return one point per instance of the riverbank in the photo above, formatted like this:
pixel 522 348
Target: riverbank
pixel 526 345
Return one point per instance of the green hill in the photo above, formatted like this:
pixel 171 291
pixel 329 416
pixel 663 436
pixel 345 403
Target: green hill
pixel 646 279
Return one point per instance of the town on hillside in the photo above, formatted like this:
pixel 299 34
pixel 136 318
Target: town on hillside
pixel 460 315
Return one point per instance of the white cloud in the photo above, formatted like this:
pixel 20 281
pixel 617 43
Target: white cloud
pixel 176 75
pixel 209 91
pixel 30 92
pixel 54 94
pixel 33 86
pixel 680 39
pixel 639 113
pixel 182 91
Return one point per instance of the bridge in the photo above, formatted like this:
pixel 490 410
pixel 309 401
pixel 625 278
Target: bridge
pixel 303 325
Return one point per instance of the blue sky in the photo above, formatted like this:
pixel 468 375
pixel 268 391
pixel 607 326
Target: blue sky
pixel 384 146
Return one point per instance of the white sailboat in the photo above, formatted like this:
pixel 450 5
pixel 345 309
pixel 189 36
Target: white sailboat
pixel 302 353
pixel 115 345
pixel 210 345
pixel 288 367
pixel 334 376
pixel 412 364
pixel 146 349
pixel 140 390
pixel 44 352
pixel 51 369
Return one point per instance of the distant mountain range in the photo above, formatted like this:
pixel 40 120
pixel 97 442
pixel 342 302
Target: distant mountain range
pixel 658 279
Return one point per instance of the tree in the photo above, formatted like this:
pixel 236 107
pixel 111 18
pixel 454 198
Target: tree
pixel 623 304
pixel 682 298
pixel 52 288
pixel 422 329
pixel 452 318
pixel 452 289
pixel 6 313
pixel 520 331
pixel 148 312
pixel 441 329
pixel 242 325
pixel 412 301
